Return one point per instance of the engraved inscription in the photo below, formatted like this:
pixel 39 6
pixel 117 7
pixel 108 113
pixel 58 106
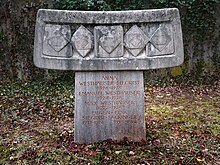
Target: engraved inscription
pixel 111 103
pixel 56 40
pixel 108 41
pixel 135 40
pixel 82 41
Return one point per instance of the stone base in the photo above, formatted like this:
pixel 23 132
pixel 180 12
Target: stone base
pixel 109 105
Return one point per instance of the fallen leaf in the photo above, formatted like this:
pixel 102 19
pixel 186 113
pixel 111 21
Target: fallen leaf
pixel 199 160
pixel 118 152
pixel 131 153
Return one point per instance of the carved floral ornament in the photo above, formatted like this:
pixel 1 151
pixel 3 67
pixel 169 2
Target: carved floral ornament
pixel 107 41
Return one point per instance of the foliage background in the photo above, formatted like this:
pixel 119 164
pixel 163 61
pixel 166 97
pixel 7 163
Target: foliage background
pixel 200 23
pixel 182 114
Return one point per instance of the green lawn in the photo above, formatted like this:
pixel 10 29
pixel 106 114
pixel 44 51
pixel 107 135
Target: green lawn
pixel 182 121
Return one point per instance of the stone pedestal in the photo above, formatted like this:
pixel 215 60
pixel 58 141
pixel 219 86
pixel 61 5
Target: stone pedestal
pixel 109 105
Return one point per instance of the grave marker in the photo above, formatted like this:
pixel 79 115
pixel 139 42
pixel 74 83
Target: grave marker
pixel 112 106
pixel 108 51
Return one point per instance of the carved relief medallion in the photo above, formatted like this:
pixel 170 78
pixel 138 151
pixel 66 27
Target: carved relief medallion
pixel 82 41
pixel 135 40
pixel 108 41
pixel 161 41
pixel 56 40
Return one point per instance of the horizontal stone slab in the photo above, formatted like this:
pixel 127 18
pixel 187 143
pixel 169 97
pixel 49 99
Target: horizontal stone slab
pixel 108 40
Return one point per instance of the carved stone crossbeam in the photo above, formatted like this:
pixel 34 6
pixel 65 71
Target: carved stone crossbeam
pixel 119 40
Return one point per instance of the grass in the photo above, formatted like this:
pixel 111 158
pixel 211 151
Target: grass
pixel 182 121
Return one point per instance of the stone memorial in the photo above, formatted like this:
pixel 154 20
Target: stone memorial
pixel 108 52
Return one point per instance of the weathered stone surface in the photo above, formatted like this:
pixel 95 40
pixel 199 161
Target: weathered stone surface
pixel 108 41
pixel 82 41
pixel 161 41
pixel 56 40
pixel 135 40
pixel 114 40
pixel 109 105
